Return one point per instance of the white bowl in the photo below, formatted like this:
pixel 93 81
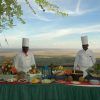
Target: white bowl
pixel 32 76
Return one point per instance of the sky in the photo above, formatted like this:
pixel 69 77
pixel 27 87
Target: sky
pixel 49 30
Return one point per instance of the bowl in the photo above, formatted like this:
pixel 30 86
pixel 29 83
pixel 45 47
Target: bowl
pixel 32 76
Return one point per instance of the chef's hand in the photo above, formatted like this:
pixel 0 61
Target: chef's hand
pixel 78 67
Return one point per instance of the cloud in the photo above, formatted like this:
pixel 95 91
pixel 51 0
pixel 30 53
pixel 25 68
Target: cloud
pixel 78 6
pixel 49 39
pixel 28 14
pixel 67 31
pixel 39 17
pixel 78 11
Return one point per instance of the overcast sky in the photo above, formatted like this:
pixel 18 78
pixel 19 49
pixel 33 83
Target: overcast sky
pixel 48 30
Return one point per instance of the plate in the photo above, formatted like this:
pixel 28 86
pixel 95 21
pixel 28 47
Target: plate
pixel 47 81
pixel 75 82
pixel 94 82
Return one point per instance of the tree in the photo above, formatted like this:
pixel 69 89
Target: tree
pixel 11 10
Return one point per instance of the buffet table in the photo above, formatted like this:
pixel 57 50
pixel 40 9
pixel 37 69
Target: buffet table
pixel 54 91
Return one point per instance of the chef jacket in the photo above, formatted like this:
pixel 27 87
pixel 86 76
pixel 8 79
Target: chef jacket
pixel 23 62
pixel 84 60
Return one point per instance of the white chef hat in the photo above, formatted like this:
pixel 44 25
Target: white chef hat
pixel 25 42
pixel 84 40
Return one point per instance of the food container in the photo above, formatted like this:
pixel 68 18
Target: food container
pixel 6 77
pixel 60 77
pixel 32 76
pixel 77 74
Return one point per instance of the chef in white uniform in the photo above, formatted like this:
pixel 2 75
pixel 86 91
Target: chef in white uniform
pixel 25 59
pixel 84 58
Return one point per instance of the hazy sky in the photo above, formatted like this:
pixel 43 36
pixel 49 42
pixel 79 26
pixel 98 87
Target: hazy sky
pixel 48 30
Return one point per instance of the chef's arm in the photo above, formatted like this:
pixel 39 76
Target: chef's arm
pixel 76 62
pixel 93 58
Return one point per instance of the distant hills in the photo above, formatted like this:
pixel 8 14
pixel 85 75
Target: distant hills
pixel 46 52
pixel 48 56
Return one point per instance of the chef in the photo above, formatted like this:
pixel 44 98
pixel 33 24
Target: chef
pixel 25 59
pixel 85 58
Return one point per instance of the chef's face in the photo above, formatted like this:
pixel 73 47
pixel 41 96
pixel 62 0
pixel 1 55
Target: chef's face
pixel 25 49
pixel 85 47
